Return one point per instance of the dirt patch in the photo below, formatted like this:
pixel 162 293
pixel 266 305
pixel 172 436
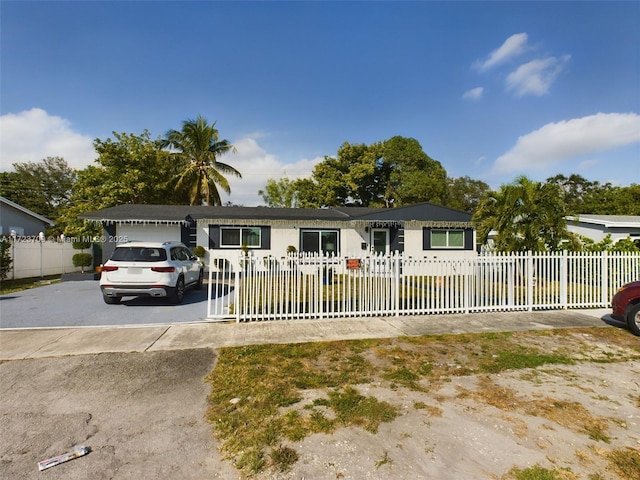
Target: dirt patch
pixel 571 418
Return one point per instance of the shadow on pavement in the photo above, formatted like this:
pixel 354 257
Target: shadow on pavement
pixel 219 290
pixel 609 320
pixel 190 297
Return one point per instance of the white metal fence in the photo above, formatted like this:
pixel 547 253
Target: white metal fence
pixel 315 286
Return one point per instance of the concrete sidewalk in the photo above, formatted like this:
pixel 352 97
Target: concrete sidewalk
pixel 54 342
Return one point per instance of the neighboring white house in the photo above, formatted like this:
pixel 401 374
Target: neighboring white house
pixel 19 221
pixel 597 227
pixel 420 230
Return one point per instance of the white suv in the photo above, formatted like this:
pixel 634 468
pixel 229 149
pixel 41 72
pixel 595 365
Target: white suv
pixel 151 269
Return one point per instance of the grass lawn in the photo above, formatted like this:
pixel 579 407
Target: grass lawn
pixel 11 286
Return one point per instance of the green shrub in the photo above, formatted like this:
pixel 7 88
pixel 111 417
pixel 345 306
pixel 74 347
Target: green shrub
pixel 5 258
pixel 199 251
pixel 81 246
pixel 82 260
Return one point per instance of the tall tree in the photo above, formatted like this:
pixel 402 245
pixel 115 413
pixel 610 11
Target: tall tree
pixel 526 216
pixel 350 179
pixel 307 193
pixel 584 196
pixel 360 173
pixel 464 193
pixel 628 200
pixel 129 169
pixel 410 175
pixel 133 169
pixel 384 174
pixel 579 194
pixel 197 147
pixel 279 194
pixel 44 187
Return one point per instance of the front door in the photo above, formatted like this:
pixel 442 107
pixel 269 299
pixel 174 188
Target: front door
pixel 380 240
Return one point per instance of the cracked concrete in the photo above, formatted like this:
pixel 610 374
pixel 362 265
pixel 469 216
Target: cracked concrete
pixel 142 414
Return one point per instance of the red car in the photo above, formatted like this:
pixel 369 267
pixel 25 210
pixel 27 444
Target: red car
pixel 626 306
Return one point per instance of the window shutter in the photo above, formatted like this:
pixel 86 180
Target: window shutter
pixel 214 236
pixel 468 239
pixel 396 240
pixel 426 238
pixel 188 235
pixel 266 238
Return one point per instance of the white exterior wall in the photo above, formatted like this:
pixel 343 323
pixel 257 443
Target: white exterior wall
pixel 281 238
pixel 595 232
pixel 148 232
pixel 413 242
pixel 351 240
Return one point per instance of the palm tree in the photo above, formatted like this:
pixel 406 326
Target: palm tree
pixel 526 215
pixel 197 146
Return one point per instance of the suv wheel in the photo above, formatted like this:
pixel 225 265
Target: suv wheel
pixel 111 300
pixel 178 293
pixel 633 319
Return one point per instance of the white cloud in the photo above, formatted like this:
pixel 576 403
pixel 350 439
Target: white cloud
pixel 479 161
pixel 555 143
pixel 536 76
pixel 257 166
pixel 587 164
pixel 473 94
pixel 32 135
pixel 512 47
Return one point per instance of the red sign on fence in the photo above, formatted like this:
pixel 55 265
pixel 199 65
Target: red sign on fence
pixel 353 263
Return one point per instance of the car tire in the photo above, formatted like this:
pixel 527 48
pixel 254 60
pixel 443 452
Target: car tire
pixel 111 300
pixel 178 292
pixel 633 319
pixel 200 281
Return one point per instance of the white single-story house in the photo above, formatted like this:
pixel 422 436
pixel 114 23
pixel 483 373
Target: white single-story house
pixel 19 221
pixel 423 229
pixel 597 227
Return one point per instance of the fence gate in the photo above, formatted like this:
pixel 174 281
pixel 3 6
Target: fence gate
pixel 220 290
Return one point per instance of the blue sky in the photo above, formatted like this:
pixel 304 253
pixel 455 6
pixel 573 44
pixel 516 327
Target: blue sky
pixel 492 90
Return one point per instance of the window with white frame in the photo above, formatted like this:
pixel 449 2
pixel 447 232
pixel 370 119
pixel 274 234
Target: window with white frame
pixel 319 241
pixel 236 237
pixel 447 239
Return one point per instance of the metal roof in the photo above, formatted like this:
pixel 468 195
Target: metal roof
pixel 620 221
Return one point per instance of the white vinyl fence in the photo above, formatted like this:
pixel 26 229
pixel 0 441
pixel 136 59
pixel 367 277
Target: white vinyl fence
pixel 312 286
pixel 33 258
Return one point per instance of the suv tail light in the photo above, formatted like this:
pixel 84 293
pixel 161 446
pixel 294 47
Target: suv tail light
pixel 163 269
pixel 109 268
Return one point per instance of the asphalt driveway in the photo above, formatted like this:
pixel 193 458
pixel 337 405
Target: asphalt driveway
pixel 80 304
